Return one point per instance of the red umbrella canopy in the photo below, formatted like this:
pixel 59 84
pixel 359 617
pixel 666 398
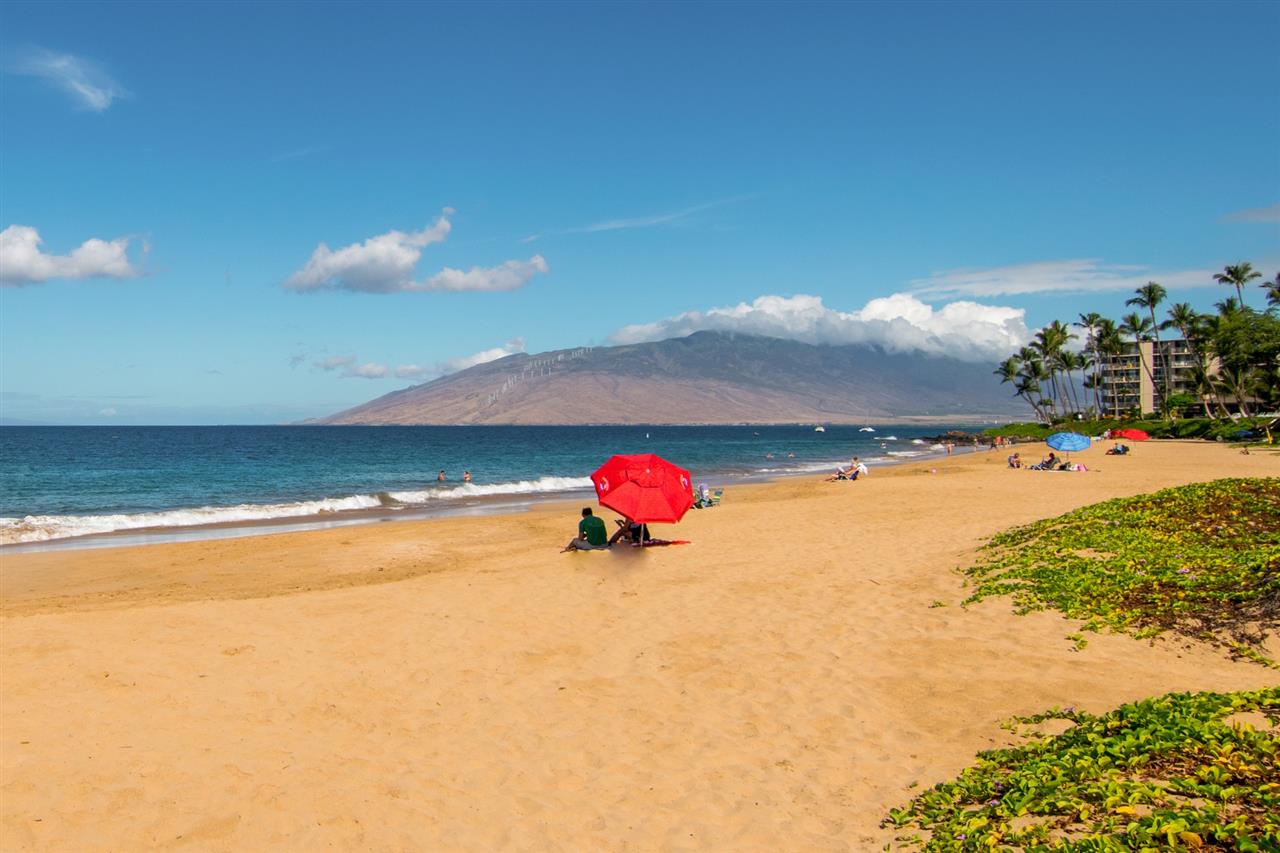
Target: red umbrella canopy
pixel 644 487
pixel 1131 434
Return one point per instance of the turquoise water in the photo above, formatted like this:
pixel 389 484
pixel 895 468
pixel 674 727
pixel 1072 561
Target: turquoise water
pixel 63 482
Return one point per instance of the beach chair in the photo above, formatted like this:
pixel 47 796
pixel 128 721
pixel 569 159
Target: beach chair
pixel 705 497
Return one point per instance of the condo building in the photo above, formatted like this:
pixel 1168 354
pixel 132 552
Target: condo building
pixel 1127 377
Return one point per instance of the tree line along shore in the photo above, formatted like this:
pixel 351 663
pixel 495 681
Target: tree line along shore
pixel 1229 365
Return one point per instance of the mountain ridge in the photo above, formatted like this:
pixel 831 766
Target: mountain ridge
pixel 707 377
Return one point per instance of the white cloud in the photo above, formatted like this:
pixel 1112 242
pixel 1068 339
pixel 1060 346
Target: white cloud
pixel 1068 276
pixel 1255 214
pixel 336 361
pixel 898 323
pixel 386 263
pixel 108 412
pixel 453 365
pixel 511 275
pixel 382 264
pixel 22 262
pixel 305 151
pixel 348 367
pixel 641 221
pixel 369 370
pixel 90 86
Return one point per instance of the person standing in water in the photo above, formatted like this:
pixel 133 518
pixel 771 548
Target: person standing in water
pixel 440 478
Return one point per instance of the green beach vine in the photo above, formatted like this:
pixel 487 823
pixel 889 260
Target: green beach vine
pixel 1188 771
pixel 1201 561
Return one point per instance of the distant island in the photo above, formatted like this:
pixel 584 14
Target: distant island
pixel 704 378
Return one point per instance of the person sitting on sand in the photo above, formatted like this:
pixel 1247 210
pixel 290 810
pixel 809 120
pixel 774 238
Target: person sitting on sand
pixel 1015 460
pixel 630 530
pixel 857 468
pixel 843 473
pixel 1046 464
pixel 592 535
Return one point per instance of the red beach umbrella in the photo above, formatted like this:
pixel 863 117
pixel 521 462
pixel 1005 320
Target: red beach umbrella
pixel 644 487
pixel 1130 433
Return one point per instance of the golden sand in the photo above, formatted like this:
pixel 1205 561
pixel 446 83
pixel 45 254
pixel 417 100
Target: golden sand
pixel 460 684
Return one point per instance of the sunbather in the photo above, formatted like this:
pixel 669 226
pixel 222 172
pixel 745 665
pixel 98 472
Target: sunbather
pixel 1046 464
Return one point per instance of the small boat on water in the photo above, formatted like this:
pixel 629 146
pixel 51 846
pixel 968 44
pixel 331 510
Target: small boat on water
pixel 819 429
pixel 867 429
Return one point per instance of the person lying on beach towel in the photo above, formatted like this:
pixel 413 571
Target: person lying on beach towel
pixel 592 535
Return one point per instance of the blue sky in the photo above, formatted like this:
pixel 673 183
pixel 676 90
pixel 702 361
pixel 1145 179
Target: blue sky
pixel 491 177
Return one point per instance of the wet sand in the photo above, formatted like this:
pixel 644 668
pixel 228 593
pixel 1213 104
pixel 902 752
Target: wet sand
pixel 461 684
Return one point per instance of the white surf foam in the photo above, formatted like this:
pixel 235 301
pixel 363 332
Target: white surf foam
pixel 475 490
pixel 41 528
pixel 804 468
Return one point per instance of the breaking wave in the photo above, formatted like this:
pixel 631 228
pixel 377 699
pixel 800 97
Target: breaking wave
pixel 41 528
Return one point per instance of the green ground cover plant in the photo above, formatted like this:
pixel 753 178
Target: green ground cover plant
pixel 1185 771
pixel 1201 561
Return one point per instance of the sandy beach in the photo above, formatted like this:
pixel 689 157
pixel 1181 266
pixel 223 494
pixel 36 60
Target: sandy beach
pixel 460 684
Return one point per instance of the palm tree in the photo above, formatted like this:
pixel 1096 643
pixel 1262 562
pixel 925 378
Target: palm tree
pixel 1237 275
pixel 1110 344
pixel 1149 296
pixel 1050 342
pixel 1272 289
pixel 1239 382
pixel 1139 328
pixel 1186 320
pixel 1227 307
pixel 1090 323
pixel 1008 372
pixel 1206 387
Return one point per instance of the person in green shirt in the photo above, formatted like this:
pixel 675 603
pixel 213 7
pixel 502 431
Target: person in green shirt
pixel 591 533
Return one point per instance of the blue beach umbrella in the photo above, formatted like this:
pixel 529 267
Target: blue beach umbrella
pixel 1068 441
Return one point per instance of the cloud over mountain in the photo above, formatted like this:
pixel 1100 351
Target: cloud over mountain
pixel 349 367
pixel 897 323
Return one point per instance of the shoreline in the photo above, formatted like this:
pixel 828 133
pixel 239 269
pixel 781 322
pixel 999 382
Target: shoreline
pixel 459 683
pixel 479 505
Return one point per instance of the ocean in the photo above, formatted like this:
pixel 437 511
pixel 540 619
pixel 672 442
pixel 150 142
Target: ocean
pixel 90 486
